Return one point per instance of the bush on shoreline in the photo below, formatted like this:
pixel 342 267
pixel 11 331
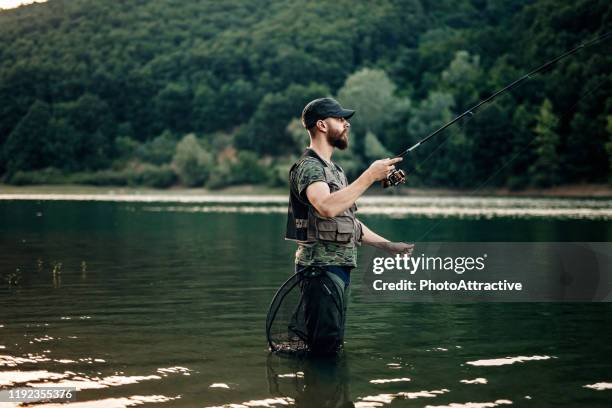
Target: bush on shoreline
pixel 192 166
pixel 147 175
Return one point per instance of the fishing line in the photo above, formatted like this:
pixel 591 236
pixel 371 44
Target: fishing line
pixel 484 131
pixel 520 152
pixel 397 176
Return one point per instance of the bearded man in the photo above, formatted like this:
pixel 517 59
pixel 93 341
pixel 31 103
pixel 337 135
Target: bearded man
pixel 321 219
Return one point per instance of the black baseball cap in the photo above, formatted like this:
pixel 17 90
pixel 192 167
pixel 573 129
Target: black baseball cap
pixel 323 108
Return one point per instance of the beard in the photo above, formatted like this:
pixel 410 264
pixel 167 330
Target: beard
pixel 338 139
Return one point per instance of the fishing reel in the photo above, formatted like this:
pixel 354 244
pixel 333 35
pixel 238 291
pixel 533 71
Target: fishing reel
pixel 394 178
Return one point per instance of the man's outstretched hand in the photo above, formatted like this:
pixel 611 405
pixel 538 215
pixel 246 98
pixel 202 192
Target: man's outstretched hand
pixel 380 169
pixel 394 248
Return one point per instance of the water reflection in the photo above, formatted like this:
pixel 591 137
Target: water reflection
pixel 310 382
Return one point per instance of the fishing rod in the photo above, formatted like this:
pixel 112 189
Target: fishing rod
pixel 397 176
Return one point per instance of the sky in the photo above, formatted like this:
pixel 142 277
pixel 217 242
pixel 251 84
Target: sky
pixel 7 4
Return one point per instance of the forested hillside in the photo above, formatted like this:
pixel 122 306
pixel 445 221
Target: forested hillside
pixel 209 92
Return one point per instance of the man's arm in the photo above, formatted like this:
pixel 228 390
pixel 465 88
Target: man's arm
pixel 332 204
pixel 371 238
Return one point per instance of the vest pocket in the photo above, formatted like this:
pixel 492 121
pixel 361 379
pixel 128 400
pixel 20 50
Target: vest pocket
pixel 339 229
pixel 326 230
pixel 346 230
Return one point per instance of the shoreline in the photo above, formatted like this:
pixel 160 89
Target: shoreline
pixel 573 191
pixel 570 191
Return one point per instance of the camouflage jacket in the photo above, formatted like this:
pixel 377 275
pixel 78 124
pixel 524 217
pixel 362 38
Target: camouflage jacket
pixel 332 241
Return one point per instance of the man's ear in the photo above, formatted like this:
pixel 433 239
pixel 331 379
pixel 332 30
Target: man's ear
pixel 321 125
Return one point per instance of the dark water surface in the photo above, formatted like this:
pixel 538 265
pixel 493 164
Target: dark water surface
pixel 167 308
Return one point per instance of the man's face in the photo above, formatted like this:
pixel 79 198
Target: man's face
pixel 337 134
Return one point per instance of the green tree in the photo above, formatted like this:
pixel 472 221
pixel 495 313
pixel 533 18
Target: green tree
pixel 84 133
pixel 159 150
pixel 490 133
pixel 522 153
pixel 191 162
pixel 25 149
pixel 430 114
pixel 244 168
pixel 205 109
pixel 545 170
pixel 173 106
pixel 126 147
pixel 445 159
pixel 60 145
pixel 236 102
pixel 372 94
pixel 223 109
pixel 461 77
pixel 299 136
pixel 266 131
pixel 373 149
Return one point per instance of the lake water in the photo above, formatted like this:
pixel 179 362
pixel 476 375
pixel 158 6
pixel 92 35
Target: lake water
pixel 157 301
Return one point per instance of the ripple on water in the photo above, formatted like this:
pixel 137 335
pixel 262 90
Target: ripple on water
pixel 389 380
pixel 174 370
pixel 376 400
pixel 478 380
pixel 45 378
pixel 218 385
pixel 11 361
pixel 506 360
pixel 600 386
pixel 267 402
pixel 473 404
pixel 13 377
pixel 299 374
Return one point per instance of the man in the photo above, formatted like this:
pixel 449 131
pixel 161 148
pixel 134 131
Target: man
pixel 322 221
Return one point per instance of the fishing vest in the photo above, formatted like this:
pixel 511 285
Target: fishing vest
pixel 305 224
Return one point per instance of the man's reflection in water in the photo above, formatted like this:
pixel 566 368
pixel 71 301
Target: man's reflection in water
pixel 311 382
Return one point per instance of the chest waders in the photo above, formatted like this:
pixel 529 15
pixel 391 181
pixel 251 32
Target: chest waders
pixel 307 314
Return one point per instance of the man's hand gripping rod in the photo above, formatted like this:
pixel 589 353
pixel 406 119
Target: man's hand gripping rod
pixel 397 176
